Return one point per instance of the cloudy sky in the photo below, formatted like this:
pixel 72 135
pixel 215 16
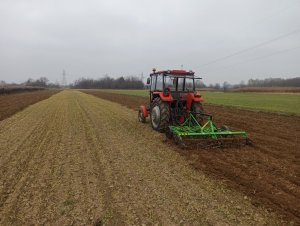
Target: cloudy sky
pixel 230 40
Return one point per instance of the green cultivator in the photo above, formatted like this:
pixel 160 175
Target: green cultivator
pixel 207 135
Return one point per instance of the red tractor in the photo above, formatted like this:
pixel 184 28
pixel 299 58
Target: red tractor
pixel 172 97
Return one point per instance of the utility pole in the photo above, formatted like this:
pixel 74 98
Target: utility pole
pixel 64 80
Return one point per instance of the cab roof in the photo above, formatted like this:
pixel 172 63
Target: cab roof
pixel 174 72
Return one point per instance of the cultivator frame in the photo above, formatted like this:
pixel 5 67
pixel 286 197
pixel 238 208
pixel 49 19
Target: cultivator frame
pixel 191 130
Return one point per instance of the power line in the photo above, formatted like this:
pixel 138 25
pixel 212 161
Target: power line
pixel 262 57
pixel 275 53
pixel 275 13
pixel 252 47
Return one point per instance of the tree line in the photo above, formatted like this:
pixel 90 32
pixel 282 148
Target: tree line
pixel 41 82
pixel 27 86
pixel 133 82
pixel 271 82
pixel 108 83
pixel 268 82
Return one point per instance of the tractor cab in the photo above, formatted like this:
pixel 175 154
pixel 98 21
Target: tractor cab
pixel 172 84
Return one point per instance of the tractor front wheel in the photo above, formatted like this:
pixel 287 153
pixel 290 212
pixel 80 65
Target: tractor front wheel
pixel 141 116
pixel 159 115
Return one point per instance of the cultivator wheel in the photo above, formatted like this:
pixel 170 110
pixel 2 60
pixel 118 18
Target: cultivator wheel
pixel 179 141
pixel 249 141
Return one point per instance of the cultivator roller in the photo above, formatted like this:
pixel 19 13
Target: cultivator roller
pixel 208 135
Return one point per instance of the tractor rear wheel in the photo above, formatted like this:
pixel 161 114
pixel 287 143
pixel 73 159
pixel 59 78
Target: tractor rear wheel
pixel 159 115
pixel 198 109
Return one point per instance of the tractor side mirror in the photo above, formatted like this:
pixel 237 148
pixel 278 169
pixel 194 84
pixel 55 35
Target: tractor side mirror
pixel 148 81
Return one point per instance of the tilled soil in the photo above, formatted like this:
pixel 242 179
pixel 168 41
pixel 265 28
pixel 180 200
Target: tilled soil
pixel 12 103
pixel 268 173
pixel 75 159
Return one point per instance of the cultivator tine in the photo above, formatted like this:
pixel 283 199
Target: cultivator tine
pixel 208 143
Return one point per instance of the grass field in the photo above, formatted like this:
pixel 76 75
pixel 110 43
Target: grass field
pixel 288 103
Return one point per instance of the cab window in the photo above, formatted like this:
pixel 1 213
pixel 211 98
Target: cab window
pixel 180 84
pixel 153 81
pixel 189 84
pixel 170 82
pixel 159 83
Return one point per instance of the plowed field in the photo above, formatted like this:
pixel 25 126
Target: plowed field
pixel 75 159
pixel 12 103
pixel 268 172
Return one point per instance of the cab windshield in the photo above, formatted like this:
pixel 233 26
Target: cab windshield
pixel 180 84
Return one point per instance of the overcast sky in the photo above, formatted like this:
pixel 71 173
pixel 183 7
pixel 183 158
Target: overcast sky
pixel 117 37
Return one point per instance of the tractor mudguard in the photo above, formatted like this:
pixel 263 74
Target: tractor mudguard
pixel 165 98
pixel 198 98
pixel 191 97
pixel 144 110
